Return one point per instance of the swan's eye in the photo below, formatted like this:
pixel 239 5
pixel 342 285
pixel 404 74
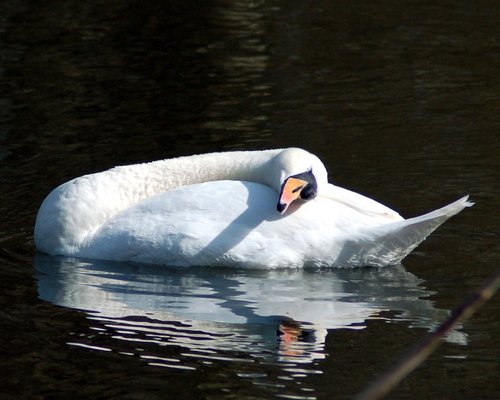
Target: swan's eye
pixel 297 186
pixel 309 192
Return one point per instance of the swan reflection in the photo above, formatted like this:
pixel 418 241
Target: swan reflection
pixel 213 314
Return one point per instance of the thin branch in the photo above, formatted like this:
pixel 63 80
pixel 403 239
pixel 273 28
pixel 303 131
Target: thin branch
pixel 387 382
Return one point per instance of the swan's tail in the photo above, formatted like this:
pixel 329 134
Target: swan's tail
pixel 392 242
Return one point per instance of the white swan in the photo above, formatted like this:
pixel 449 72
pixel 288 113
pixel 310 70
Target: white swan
pixel 220 209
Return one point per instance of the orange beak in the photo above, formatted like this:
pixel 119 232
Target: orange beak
pixel 290 191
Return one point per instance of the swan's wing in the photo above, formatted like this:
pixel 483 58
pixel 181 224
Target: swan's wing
pixel 191 225
pixel 236 223
pixel 358 202
pixel 390 243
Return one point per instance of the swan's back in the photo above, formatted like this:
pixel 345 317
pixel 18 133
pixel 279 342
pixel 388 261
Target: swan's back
pixel 185 227
pixel 160 213
pixel 72 212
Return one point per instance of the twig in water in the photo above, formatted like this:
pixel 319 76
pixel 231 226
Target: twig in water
pixel 387 382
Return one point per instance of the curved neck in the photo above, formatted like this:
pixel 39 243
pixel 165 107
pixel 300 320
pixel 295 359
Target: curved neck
pixel 76 209
pixel 163 175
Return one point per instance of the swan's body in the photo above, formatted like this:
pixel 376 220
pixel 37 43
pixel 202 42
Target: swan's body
pixel 220 209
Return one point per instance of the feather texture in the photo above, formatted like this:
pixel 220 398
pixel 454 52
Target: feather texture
pixel 220 209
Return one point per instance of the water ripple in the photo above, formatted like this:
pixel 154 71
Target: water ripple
pixel 256 321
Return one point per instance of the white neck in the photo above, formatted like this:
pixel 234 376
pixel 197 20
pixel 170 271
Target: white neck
pixel 164 175
pixel 79 207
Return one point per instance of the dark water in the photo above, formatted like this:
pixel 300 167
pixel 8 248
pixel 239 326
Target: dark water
pixel 401 100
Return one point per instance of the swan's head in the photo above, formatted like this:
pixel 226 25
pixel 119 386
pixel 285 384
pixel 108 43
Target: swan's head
pixel 301 176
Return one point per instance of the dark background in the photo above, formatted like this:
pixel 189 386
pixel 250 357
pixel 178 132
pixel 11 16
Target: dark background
pixel 400 99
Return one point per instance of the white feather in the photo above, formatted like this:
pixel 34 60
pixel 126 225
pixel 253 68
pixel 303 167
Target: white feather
pixel 220 209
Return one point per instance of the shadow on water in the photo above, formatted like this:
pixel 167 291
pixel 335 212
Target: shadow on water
pixel 211 315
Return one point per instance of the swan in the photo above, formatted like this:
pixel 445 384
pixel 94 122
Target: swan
pixel 259 209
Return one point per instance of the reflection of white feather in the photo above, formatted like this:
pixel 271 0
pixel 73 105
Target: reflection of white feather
pixel 240 307
pixel 181 212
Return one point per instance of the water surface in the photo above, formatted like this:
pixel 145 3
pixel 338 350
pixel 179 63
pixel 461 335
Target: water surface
pixel 400 100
